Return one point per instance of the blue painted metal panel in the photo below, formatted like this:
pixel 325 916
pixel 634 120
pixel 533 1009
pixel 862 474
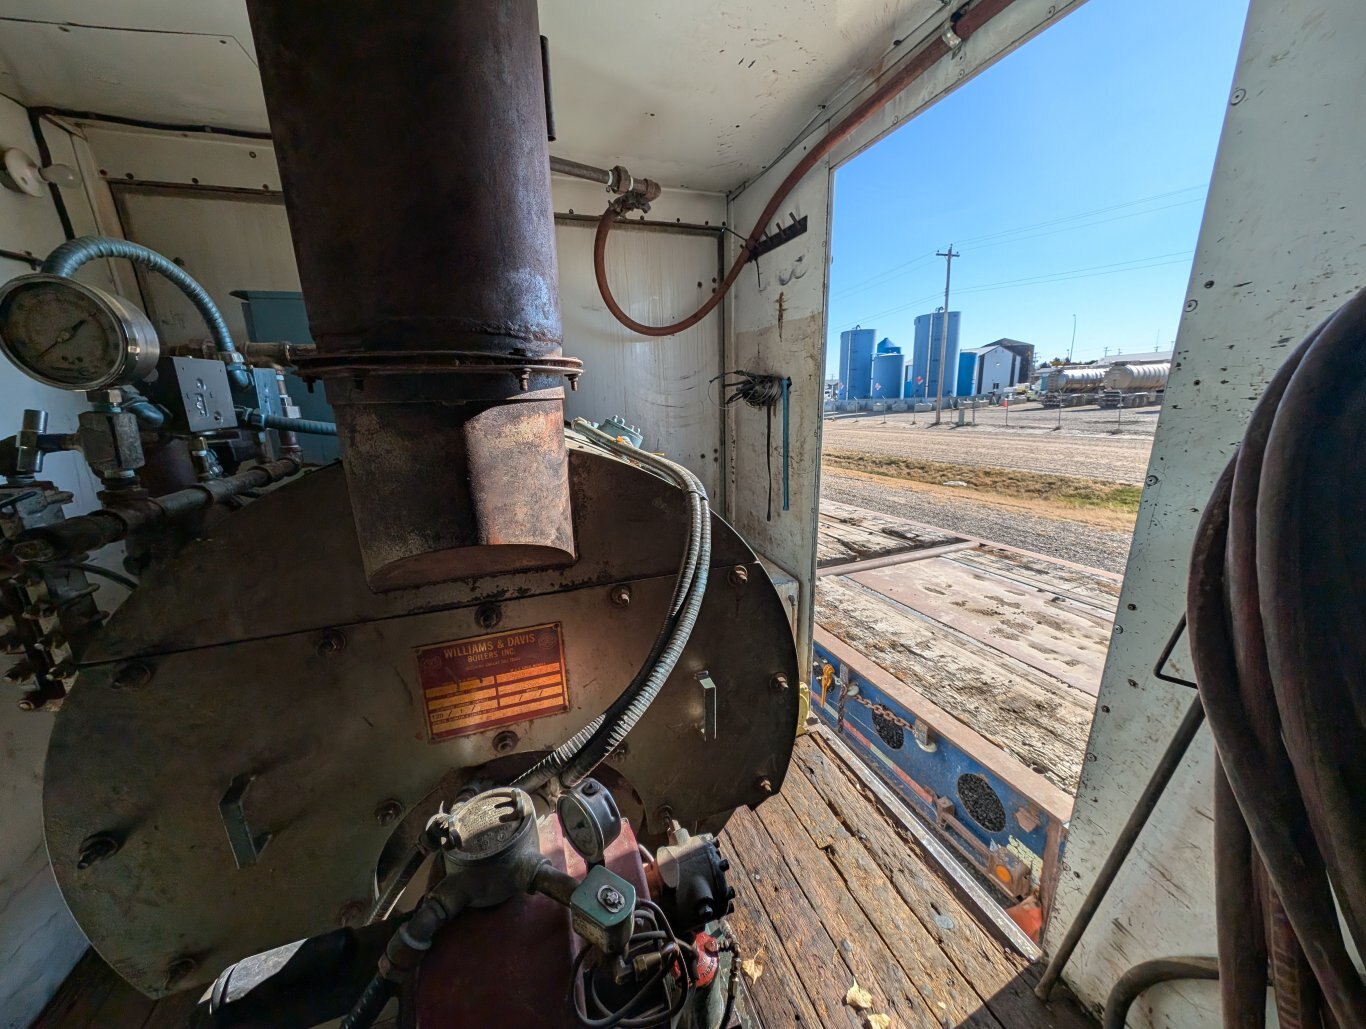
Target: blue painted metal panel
pixel 929 773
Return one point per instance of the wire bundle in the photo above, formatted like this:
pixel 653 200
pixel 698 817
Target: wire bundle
pixel 1277 588
pixel 653 933
pixel 574 760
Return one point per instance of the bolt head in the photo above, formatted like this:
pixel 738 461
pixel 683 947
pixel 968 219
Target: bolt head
pixel 739 575
pixel 332 642
pixel 489 615
pixel 621 595
pixel 610 898
pixel 766 785
pixel 388 811
pixel 778 683
pixel 505 742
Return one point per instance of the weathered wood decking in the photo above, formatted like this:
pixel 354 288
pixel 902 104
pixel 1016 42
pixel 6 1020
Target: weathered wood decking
pixel 833 891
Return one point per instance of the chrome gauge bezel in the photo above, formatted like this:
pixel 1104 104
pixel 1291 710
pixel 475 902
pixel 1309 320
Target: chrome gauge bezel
pixel 137 343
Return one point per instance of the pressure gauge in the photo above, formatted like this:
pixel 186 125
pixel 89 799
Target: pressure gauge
pixel 73 336
pixel 590 819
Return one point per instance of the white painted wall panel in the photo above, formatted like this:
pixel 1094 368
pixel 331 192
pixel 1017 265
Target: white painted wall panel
pixel 661 385
pixel 1283 243
pixel 39 941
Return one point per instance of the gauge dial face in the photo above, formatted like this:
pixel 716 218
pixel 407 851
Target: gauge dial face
pixel 61 334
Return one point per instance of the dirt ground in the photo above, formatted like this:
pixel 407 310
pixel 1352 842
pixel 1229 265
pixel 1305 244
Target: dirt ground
pixel 1082 448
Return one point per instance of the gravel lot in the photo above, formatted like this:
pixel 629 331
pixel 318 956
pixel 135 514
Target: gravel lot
pixel 1081 542
pixel 1079 449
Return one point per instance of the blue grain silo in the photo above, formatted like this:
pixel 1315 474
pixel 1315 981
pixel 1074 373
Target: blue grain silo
pixel 856 363
pixel 889 371
pixel 929 333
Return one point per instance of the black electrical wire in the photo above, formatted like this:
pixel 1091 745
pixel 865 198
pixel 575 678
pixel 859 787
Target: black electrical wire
pixel 93 569
pixel 1277 587
pixel 630 1015
pixel 757 390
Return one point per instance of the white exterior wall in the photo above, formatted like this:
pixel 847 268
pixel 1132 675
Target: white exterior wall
pixel 997 368
pixel 1282 245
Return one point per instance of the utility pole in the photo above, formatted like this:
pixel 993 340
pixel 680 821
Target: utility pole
pixel 948 256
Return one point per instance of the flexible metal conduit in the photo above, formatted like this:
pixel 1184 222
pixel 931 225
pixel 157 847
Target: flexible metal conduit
pixel 574 760
pixel 265 420
pixel 961 26
pixel 71 255
pixel 1274 604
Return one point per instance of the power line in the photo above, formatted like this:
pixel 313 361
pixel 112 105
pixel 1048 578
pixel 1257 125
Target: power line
pixel 1161 260
pixel 993 239
pixel 1084 214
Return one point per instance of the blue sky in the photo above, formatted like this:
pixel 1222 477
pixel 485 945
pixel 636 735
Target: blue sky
pixel 1071 177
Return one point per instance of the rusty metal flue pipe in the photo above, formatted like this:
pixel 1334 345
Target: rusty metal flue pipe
pixel 412 149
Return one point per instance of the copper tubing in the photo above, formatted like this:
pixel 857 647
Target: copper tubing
pixel 963 26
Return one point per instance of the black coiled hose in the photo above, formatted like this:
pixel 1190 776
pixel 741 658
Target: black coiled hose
pixel 1274 605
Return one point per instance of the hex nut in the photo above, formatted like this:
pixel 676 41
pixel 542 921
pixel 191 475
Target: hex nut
pixel 778 682
pixel 332 642
pixel 489 615
pixel 505 742
pixel 620 595
pixel 739 575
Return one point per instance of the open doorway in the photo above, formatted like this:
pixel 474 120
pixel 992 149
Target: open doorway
pixel 1008 272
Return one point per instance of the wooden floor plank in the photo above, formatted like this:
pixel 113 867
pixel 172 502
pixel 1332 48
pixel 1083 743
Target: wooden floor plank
pixel 1003 979
pixel 777 995
pixel 816 957
pixel 944 988
pixel 865 953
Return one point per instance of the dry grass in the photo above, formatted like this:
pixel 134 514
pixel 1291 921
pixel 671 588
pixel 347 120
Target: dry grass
pixel 1063 496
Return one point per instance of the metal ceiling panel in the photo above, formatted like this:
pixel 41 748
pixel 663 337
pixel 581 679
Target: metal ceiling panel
pixel 702 95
